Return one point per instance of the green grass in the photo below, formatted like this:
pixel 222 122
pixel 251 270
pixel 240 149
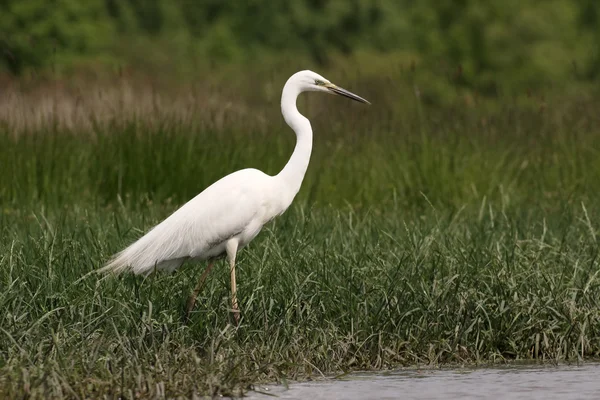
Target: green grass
pixel 422 235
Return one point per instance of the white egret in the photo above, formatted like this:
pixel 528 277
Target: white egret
pixel 227 215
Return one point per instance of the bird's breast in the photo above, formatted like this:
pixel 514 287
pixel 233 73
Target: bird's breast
pixel 249 233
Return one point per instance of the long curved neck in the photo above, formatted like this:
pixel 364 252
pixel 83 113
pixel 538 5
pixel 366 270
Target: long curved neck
pixel 293 172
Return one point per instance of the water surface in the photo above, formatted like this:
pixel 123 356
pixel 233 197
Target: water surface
pixel 511 382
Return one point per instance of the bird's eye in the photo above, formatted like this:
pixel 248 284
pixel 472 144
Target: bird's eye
pixel 319 82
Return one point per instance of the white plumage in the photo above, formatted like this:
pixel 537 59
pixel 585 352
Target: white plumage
pixel 233 208
pixel 231 212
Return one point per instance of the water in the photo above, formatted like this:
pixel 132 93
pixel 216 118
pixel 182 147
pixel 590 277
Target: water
pixel 513 382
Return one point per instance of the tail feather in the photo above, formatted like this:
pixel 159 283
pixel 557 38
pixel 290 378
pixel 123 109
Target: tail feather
pixel 144 257
pixel 118 264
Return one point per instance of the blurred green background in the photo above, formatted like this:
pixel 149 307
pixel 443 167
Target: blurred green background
pixel 492 46
pixel 454 220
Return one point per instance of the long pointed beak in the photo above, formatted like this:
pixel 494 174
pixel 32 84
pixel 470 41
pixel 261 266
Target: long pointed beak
pixel 343 92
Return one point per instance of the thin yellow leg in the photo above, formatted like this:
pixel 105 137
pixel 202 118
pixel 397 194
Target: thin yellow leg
pixel 234 302
pixel 191 302
pixel 231 249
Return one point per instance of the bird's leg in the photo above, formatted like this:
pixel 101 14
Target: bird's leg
pixel 191 302
pixel 234 302
pixel 231 252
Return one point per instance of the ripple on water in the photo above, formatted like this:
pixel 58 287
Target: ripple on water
pixel 511 382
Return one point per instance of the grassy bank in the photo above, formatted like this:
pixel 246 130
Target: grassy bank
pixel 422 235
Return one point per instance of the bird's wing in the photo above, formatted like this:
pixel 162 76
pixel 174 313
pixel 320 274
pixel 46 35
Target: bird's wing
pixel 221 211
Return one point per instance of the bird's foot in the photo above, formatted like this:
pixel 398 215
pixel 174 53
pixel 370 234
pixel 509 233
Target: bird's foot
pixel 191 302
pixel 236 312
pixel 236 317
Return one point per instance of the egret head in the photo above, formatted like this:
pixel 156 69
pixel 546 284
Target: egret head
pixel 313 82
